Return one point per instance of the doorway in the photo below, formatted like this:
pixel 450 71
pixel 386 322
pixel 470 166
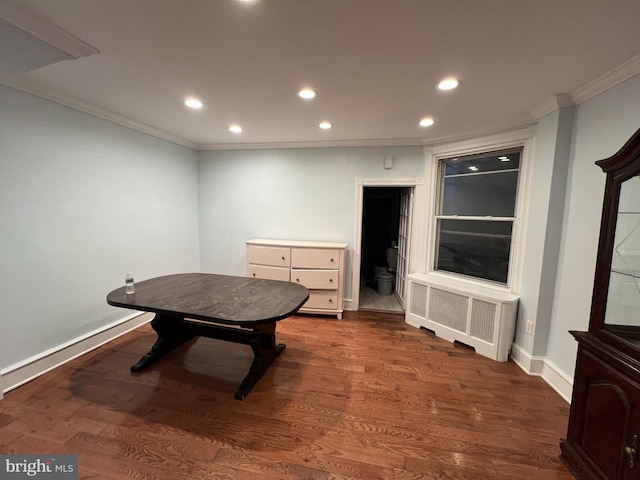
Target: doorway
pixel 386 224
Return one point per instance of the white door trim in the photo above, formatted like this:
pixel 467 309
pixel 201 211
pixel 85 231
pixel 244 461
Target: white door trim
pixel 361 183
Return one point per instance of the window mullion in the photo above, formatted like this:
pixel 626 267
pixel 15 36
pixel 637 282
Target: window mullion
pixel 475 217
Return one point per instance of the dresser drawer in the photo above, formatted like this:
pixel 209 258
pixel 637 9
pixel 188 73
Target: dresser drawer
pixel 321 279
pixel 318 266
pixel 322 300
pixel 273 256
pixel 268 273
pixel 314 258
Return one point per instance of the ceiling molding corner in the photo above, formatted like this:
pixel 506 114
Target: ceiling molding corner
pixel 45 30
pixel 562 100
pixel 35 89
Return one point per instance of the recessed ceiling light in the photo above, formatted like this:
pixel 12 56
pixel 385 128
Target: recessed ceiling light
pixel 448 83
pixel 325 125
pixel 235 128
pixel 193 102
pixel 306 93
pixel 473 168
pixel 504 159
pixel 427 122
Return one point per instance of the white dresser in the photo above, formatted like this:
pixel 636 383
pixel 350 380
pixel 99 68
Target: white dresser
pixel 319 266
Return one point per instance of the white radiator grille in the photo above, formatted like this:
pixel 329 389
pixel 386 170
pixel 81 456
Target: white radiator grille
pixel 448 309
pixel 483 315
pixel 477 316
pixel 419 300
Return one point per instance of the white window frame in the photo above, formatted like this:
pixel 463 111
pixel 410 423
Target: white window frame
pixel 434 155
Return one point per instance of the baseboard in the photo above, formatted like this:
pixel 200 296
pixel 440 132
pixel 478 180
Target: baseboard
pixel 26 370
pixel 531 365
pixel 542 367
pixel 349 304
pixel 558 380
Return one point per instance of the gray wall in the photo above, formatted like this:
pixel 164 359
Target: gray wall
pixel 83 201
pixel 542 223
pixel 295 194
pixel 602 125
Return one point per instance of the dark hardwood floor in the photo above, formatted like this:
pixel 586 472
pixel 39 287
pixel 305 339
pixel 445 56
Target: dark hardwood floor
pixel 365 397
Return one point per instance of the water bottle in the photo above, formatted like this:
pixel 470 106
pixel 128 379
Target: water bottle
pixel 129 286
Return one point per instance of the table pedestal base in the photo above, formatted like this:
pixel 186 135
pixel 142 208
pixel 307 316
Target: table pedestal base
pixel 173 332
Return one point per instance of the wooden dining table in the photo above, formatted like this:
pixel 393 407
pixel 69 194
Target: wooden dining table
pixel 235 309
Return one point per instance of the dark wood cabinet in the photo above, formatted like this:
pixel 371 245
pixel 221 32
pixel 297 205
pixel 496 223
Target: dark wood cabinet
pixel 603 437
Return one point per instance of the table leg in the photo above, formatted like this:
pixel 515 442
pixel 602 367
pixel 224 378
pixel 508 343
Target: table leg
pixel 170 336
pixel 265 351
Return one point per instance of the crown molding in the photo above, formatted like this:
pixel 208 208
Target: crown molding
pixel 628 69
pixel 554 103
pixel 45 30
pixel 610 79
pixel 35 89
pixel 517 123
pixel 495 140
pixel 369 142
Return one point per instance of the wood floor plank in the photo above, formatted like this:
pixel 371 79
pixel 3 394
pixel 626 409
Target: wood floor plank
pixel 366 397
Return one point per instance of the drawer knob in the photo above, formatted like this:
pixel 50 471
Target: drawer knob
pixel 331 300
pixel 332 260
pixel 254 274
pixel 298 280
pixel 331 280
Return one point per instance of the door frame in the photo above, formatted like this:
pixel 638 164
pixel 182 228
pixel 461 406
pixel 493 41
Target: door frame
pixel 416 236
pixel 403 265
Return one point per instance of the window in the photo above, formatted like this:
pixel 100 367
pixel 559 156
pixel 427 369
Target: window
pixel 476 214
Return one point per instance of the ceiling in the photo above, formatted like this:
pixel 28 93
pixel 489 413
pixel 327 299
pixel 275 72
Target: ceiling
pixel 375 65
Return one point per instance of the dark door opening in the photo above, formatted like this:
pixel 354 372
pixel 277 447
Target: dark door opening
pixel 381 227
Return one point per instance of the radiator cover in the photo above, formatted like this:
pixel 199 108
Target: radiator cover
pixel 478 316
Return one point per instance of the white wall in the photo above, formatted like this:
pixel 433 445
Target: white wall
pixel 83 201
pixel 602 125
pixel 296 194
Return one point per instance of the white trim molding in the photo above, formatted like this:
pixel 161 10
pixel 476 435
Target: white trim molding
pixel 522 137
pixel 365 142
pixel 31 368
pixel 45 30
pixel 628 69
pixel 416 225
pixel 492 142
pixel 541 367
pixel 33 88
pixel 554 103
pixel 515 123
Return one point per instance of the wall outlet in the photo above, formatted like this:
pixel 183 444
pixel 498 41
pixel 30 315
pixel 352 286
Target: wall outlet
pixel 529 327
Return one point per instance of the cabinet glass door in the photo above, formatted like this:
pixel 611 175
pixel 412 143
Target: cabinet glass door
pixel 623 300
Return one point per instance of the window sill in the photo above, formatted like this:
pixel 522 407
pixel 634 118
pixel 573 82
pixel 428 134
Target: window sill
pixel 470 286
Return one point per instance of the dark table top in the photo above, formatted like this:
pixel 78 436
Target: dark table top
pixel 216 298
